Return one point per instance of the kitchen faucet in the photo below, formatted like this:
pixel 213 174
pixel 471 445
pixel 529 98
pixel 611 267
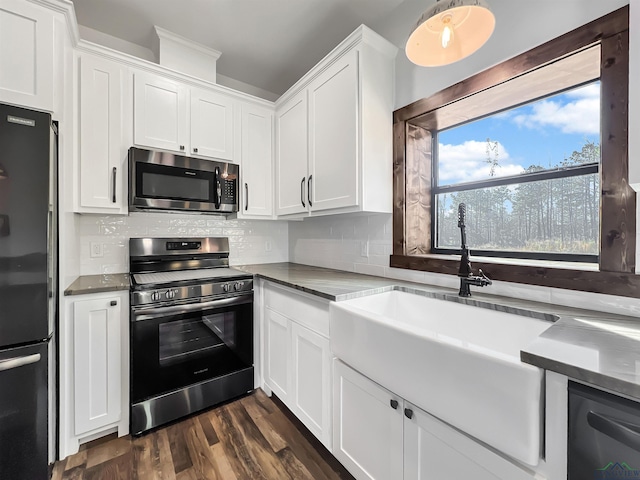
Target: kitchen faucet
pixel 465 272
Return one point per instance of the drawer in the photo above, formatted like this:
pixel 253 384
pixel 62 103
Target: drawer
pixel 313 314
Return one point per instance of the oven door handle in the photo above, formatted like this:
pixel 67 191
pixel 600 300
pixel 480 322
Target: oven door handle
pixel 153 313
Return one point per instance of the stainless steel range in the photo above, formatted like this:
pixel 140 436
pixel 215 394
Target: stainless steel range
pixel 191 328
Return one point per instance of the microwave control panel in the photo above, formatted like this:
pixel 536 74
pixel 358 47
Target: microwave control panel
pixel 228 191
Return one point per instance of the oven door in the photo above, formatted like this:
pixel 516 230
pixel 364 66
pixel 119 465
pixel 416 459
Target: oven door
pixel 176 346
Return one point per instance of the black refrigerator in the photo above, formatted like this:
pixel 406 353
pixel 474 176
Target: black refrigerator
pixel 28 244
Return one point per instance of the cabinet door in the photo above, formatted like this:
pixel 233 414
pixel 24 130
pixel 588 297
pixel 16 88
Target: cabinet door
pixel 256 167
pixel 211 125
pixel 367 426
pixel 433 450
pixel 277 353
pixel 96 363
pixel 333 135
pixel 103 153
pixel 291 157
pixel 311 386
pixel 26 55
pixel 160 113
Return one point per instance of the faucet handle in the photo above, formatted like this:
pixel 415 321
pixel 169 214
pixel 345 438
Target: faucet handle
pixel 484 276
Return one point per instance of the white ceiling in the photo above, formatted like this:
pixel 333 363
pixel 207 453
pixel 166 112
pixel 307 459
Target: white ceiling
pixel 266 43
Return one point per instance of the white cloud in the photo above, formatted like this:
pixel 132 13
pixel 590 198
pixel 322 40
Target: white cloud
pixel 466 162
pixel 581 115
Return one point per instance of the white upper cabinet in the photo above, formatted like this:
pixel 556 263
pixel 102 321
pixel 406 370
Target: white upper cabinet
pixel 103 151
pixel 211 125
pixel 333 139
pixel 256 169
pixel 26 55
pixel 169 115
pixel 292 154
pixel 160 113
pixel 335 154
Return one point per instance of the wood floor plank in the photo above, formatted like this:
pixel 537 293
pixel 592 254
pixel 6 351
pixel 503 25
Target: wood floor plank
pixel 258 445
pixel 276 442
pixel 264 400
pixel 58 470
pixel 300 446
pixel 179 452
pixel 253 407
pixel 253 438
pixel 242 462
pixel 106 451
pixel 202 459
pixel 208 430
pixel 161 457
pixel 294 466
pixel 77 460
pixel 141 450
pixel 224 466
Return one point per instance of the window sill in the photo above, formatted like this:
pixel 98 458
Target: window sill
pixel 583 277
pixel 521 262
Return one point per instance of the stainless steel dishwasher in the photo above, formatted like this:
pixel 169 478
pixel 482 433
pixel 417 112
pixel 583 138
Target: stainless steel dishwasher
pixel 604 435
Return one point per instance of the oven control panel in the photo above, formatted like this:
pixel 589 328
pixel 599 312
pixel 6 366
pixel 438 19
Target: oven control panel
pixel 175 294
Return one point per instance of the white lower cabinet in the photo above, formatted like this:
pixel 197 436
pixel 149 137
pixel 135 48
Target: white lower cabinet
pixel 297 358
pixel 378 435
pixel 278 352
pixel 367 426
pixel 311 393
pixel 94 366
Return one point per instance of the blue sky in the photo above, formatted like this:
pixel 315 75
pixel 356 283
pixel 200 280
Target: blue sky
pixel 540 133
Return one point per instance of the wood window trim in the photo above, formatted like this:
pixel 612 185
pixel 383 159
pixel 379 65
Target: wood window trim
pixel 412 168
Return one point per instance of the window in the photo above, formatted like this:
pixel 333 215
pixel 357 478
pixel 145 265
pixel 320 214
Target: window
pixel 572 203
pixel 531 187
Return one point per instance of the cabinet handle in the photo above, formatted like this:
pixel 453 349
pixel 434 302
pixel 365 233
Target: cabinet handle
pixel 114 173
pixel 113 303
pixel 181 147
pixel 394 404
pixel 302 192
pixel 246 197
pixel 408 413
pixel 195 150
pixel 309 191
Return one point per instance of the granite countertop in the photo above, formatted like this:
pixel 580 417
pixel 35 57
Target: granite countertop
pixel 594 347
pixel 98 283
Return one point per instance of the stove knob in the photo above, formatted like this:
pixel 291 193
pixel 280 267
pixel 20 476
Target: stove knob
pixel 169 294
pixel 226 287
pixel 238 286
pixel 155 296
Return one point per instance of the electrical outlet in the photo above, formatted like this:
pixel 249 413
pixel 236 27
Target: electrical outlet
pixel 267 246
pixel 364 249
pixel 96 249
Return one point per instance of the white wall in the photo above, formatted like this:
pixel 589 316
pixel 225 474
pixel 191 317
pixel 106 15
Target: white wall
pixel 248 239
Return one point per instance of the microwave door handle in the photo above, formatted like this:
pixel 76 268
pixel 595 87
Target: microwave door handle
pixel 217 199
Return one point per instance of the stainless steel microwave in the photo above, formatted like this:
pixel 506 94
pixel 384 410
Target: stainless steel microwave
pixel 164 181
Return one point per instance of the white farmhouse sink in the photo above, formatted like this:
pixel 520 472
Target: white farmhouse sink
pixel 460 363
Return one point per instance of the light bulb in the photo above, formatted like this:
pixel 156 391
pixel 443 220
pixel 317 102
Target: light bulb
pixel 447 32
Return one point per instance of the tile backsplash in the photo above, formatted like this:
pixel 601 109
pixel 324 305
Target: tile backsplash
pixel 250 241
pixel 363 244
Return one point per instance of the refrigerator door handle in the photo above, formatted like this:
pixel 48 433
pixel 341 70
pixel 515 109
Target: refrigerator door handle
pixel 12 363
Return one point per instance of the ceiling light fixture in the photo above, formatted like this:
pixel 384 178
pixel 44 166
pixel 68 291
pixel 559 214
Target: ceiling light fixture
pixel 449 31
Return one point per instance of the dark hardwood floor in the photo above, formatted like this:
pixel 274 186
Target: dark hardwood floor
pixel 254 437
